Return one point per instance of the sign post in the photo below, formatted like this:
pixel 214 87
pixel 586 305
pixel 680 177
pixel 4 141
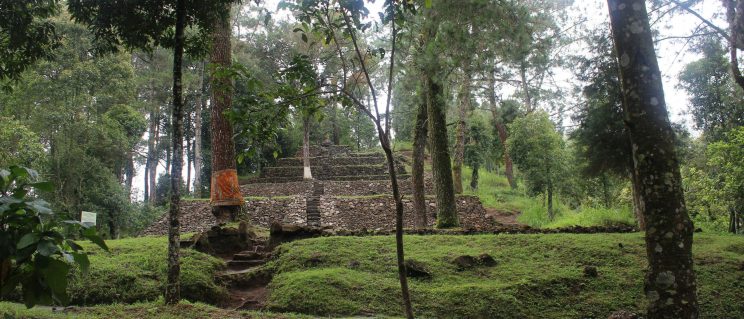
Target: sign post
pixel 88 217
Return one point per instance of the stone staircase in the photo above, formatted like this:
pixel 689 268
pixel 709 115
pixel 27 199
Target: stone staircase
pixel 331 163
pixel 313 205
pixel 246 289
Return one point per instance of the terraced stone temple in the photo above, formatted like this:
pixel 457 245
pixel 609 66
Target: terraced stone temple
pixel 349 190
pixel 331 163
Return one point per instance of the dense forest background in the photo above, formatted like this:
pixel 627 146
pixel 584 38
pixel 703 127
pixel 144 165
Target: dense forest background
pixel 98 126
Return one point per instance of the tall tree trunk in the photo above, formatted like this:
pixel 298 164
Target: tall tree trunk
pixel 335 131
pixel 152 150
pixel 417 168
pixel 189 159
pixel 440 158
pixel 225 196
pixel 670 281
pixel 734 16
pixel 172 287
pixel 474 177
pixel 462 114
pixel 733 221
pixel 606 190
pixel 501 130
pixel 200 105
pixel 306 173
pixel 147 182
pixel 130 172
pixel 525 87
pixel 551 214
pixel 637 203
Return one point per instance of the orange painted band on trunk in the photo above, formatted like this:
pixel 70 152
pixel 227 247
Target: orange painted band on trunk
pixel 225 190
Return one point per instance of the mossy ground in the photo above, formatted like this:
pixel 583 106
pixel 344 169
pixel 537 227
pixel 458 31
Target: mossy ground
pixel 135 270
pixel 151 310
pixel 538 276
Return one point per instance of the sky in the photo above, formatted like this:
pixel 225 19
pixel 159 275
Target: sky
pixel 672 54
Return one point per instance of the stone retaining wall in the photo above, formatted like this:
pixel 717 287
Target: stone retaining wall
pixel 364 188
pixel 289 210
pixel 277 189
pixel 332 188
pixel 196 216
pixel 378 212
pixel 333 161
pixel 348 213
pixel 328 172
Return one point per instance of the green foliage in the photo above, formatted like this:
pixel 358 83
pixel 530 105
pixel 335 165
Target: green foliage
pixel 146 25
pixel 538 151
pixel 19 145
pixel 538 276
pixel 716 103
pixel 601 139
pixel 26 34
pixel 87 119
pixel 35 253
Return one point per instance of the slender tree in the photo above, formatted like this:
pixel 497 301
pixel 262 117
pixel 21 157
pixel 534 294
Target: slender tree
pixel 463 110
pixel 501 132
pixel 329 18
pixel 417 167
pixel 670 281
pixel 201 104
pixel 437 125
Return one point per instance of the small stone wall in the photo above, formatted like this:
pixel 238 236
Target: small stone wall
pixel 364 188
pixel 277 189
pixel 289 210
pixel 332 161
pixel 330 150
pixel 378 212
pixel 196 216
pixel 329 172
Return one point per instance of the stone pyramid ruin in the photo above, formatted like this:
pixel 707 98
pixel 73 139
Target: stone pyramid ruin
pixel 349 191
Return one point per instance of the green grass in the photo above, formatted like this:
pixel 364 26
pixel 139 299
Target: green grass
pixel 538 276
pixel 494 191
pixel 151 310
pixel 402 146
pixel 135 270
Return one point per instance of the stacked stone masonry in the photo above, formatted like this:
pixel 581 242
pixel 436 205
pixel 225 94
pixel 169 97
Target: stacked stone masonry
pixel 378 212
pixel 350 191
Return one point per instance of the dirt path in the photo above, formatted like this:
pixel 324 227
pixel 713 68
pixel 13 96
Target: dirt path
pixel 505 218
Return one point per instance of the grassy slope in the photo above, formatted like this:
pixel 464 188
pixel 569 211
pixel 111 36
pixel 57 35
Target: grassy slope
pixel 494 192
pixel 538 276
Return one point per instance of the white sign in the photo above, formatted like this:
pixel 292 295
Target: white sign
pixel 88 217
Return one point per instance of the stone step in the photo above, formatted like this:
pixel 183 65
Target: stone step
pixel 249 255
pixel 332 161
pixel 243 264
